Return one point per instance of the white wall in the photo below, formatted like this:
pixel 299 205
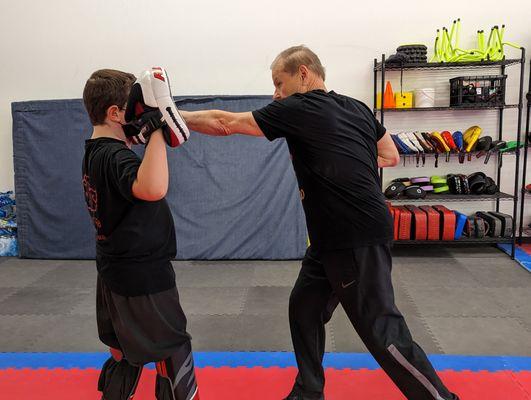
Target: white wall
pixel 48 49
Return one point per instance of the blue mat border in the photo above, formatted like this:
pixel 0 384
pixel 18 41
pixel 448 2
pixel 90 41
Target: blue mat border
pixel 266 360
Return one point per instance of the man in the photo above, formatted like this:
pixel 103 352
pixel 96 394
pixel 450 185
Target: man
pixel 337 146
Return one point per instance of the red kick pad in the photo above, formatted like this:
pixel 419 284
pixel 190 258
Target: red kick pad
pixel 420 223
pixel 404 225
pixel 433 222
pixel 396 220
pixel 447 222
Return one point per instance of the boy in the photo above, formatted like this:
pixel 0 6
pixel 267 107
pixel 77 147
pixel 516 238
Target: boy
pixel 137 306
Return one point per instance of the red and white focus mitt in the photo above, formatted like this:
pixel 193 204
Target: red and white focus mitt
pixel 150 106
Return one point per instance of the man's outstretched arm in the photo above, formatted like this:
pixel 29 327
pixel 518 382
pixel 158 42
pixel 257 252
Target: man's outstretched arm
pixel 221 123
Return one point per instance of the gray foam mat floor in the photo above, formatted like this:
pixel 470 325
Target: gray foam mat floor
pixel 457 300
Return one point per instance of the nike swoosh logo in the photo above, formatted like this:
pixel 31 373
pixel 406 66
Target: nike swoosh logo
pixel 348 284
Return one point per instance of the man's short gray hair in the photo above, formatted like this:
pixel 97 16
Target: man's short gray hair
pixel 291 59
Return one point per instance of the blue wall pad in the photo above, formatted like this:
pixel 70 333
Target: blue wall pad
pixel 232 197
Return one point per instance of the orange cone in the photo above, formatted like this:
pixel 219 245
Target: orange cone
pixel 389 97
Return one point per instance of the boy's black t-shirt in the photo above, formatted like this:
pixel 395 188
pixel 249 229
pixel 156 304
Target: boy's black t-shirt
pixel 333 144
pixel 135 239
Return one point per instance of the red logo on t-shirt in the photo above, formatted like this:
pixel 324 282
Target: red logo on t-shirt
pixel 91 198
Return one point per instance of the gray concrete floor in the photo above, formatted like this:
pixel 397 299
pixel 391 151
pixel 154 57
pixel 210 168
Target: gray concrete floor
pixel 459 300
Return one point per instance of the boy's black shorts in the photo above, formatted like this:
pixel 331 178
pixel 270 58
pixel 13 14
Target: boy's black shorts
pixel 145 328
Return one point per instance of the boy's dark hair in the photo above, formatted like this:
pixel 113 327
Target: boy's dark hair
pixel 105 88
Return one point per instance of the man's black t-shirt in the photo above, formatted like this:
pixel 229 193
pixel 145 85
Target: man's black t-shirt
pixel 333 144
pixel 135 239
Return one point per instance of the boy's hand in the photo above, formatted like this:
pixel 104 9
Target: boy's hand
pixel 141 128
